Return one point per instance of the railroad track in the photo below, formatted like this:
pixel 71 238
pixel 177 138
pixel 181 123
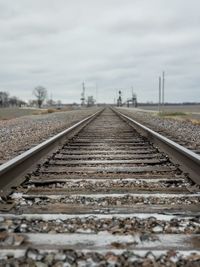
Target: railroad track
pixel 106 196
pixel 167 132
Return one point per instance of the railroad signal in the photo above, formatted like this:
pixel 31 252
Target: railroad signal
pixel 119 100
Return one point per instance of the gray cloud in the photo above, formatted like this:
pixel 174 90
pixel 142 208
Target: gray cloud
pixel 113 44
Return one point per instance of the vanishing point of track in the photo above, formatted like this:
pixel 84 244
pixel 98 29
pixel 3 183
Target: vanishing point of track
pixel 106 196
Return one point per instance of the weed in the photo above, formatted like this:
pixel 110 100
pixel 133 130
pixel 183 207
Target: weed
pixel 195 121
pixel 51 110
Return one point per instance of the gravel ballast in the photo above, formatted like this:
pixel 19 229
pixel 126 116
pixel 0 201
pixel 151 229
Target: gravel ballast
pixel 20 134
pixel 182 131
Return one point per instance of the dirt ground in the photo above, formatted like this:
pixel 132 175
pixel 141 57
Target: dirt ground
pixel 12 113
pixel 189 111
pixel 173 108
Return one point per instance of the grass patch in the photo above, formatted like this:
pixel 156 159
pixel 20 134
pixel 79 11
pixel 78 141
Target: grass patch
pixel 46 111
pixel 172 114
pixel 180 116
pixel 4 118
pixel 40 112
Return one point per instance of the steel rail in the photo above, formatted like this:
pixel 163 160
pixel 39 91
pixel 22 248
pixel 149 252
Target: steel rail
pixel 12 172
pixel 188 161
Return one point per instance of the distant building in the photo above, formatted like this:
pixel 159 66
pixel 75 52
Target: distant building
pixel 132 101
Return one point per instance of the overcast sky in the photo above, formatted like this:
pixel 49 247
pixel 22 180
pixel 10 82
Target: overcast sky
pixel 109 44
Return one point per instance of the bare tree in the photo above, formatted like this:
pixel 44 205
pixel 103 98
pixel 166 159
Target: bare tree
pixel 32 103
pixel 4 99
pixel 10 101
pixel 41 94
pixel 13 101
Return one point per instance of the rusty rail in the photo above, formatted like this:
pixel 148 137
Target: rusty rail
pixel 12 172
pixel 189 161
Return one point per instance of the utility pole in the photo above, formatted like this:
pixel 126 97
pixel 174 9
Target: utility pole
pixel 83 95
pixel 159 93
pixel 116 96
pixel 163 89
pixel 132 96
pixel 96 94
